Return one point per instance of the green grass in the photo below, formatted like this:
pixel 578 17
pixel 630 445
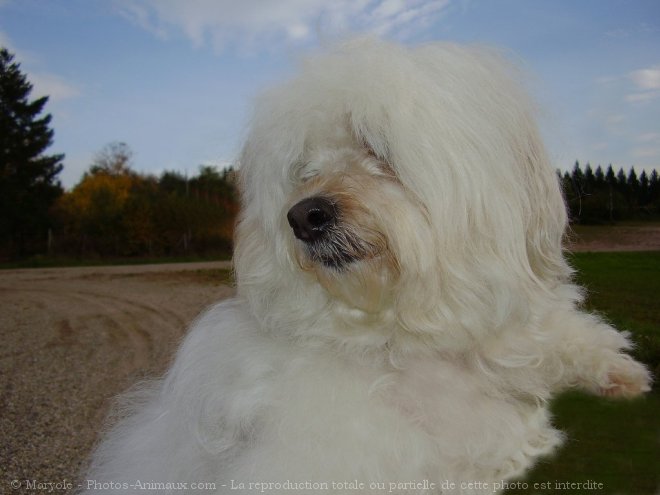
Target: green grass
pixel 616 443
pixel 625 289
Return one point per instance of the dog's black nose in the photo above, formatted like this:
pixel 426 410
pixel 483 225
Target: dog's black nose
pixel 311 217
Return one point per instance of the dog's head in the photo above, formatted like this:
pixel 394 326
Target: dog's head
pixel 398 190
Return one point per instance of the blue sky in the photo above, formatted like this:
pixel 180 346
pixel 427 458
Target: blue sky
pixel 174 79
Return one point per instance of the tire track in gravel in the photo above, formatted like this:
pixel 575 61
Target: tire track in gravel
pixel 132 325
pixel 146 329
pixel 75 338
pixel 127 322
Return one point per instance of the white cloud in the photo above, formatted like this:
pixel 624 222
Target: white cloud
pixel 52 85
pixel 20 55
pixel 298 31
pixel 618 33
pixel 404 16
pixel 646 152
pixel 606 80
pixel 646 79
pixel 44 84
pixel 647 85
pixel 389 8
pixel 615 119
pixel 640 86
pixel 139 14
pixel 251 22
pixel 648 137
pixel 642 97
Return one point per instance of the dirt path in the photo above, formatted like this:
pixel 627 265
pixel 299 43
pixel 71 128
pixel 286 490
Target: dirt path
pixel 642 237
pixel 73 338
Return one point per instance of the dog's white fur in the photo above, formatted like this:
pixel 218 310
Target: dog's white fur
pixel 433 354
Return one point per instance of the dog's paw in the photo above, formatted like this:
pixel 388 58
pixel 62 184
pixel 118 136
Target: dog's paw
pixel 626 378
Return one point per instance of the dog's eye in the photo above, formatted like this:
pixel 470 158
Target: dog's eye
pixel 386 168
pixel 304 171
pixel 380 167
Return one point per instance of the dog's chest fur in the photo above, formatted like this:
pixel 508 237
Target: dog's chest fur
pixel 443 421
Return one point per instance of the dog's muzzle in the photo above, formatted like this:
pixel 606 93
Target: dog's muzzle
pixel 311 218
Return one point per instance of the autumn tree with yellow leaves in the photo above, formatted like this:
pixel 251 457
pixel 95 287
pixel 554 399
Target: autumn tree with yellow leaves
pixel 114 211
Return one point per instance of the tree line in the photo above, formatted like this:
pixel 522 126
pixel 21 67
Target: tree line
pixel 115 211
pixel 597 196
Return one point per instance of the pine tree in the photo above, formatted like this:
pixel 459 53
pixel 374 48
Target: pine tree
pixel 599 177
pixel 589 179
pixel 621 181
pixel 577 181
pixel 28 177
pixel 633 181
pixel 610 178
pixel 654 186
pixel 643 189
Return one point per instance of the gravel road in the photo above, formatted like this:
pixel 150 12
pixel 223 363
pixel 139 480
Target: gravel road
pixel 74 338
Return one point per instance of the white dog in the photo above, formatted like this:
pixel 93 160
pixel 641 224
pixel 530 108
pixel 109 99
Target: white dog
pixel 404 311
